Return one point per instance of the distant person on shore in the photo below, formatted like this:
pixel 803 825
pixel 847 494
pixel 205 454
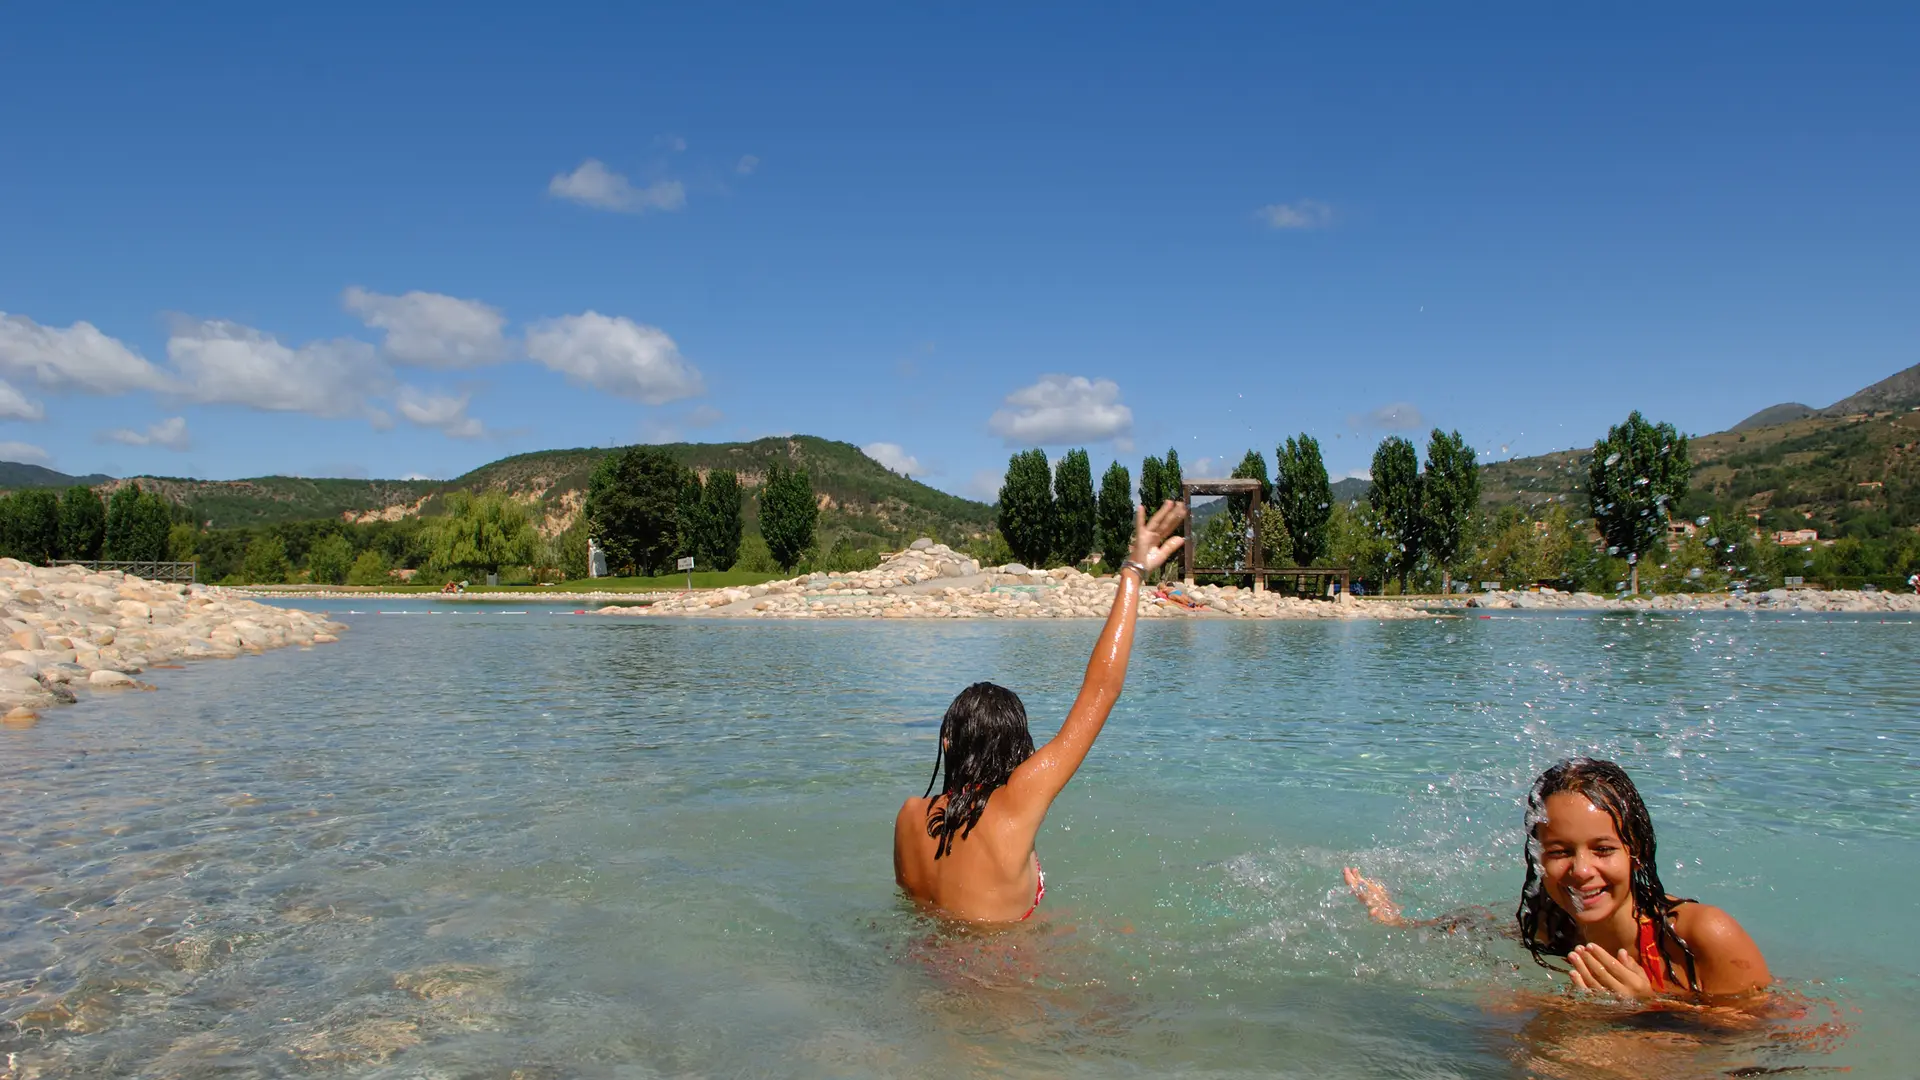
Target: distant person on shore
pixel 967 853
pixel 1593 897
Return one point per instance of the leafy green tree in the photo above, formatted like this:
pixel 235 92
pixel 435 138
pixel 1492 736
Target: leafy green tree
pixel 8 527
pixel 1449 496
pixel 1170 478
pixel 83 524
pixel 689 516
pixel 788 514
pixel 369 569
pixel 1355 541
pixel 183 542
pixel 1304 497
pixel 1252 467
pixel 266 562
pixel 116 537
pixel 631 504
pixel 36 526
pixel 1027 512
pixel 1116 515
pixel 1218 546
pixel 1395 499
pixel 1636 473
pixel 479 534
pixel 721 519
pixel 1074 511
pixel 1275 545
pixel 150 528
pixel 330 561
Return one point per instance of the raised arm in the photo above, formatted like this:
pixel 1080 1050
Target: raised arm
pixel 1039 780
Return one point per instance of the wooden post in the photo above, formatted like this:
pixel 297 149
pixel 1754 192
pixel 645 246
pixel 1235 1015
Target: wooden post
pixel 1186 549
pixel 1253 559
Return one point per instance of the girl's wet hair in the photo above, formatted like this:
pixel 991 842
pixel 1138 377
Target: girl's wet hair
pixel 1544 926
pixel 984 736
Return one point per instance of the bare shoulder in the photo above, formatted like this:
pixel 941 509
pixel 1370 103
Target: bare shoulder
pixel 1728 959
pixel 912 811
pixel 1705 927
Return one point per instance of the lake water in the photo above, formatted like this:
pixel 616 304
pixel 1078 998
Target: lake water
pixel 481 844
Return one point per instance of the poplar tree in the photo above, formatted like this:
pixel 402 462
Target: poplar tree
pixel 120 508
pixel 1636 474
pixel 630 508
pixel 1026 507
pixel 1395 498
pixel 1304 497
pixel 788 514
pixel 1116 515
pixel 1074 511
pixel 36 526
pixel 721 519
pixel 83 524
pixel 1153 484
pixel 1449 495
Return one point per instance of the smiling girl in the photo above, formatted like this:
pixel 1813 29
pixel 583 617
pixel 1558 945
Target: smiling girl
pixel 1593 895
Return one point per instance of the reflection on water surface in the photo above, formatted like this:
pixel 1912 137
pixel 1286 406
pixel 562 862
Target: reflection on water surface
pixel 543 845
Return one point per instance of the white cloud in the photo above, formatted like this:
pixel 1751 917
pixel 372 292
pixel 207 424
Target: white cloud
pixel 1206 468
pixel 24 452
pixel 170 433
pixel 1063 409
pixel 79 357
pixel 984 485
pixel 227 363
pixel 1302 214
pixel 15 405
pixel 893 457
pixel 747 164
pixel 443 412
pixel 1399 416
pixel 615 354
pixel 595 185
pixel 432 330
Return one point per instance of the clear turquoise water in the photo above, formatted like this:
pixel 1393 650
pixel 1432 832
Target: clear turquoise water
pixel 482 845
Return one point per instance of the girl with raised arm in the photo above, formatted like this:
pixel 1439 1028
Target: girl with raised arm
pixel 1593 896
pixel 967 852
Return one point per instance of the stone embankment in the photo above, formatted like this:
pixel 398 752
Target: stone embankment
pixel 931 581
pixel 69 630
pixel 1807 600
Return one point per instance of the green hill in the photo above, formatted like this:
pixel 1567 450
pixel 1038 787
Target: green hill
pixel 15 475
pixel 860 499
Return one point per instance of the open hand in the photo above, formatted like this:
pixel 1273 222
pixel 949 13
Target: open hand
pixel 1151 544
pixel 1602 972
pixel 1374 895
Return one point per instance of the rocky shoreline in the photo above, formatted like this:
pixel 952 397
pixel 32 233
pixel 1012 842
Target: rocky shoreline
pixel 1803 600
pixel 71 630
pixel 932 581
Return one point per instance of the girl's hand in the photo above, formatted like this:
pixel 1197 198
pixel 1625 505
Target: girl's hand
pixel 1374 895
pixel 1151 545
pixel 1597 970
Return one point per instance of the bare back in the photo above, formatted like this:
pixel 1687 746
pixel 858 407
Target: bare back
pixel 992 875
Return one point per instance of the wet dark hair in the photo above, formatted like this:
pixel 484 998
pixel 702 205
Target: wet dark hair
pixel 1544 926
pixel 984 737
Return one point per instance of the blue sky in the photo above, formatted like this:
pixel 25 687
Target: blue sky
pixel 236 240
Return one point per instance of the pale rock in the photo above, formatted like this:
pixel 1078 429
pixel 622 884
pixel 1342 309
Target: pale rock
pixel 28 639
pixel 109 678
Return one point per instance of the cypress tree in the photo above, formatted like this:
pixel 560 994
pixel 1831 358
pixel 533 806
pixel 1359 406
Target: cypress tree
pixel 1116 515
pixel 1074 510
pixel 1170 479
pixel 788 514
pixel 1026 507
pixel 1449 495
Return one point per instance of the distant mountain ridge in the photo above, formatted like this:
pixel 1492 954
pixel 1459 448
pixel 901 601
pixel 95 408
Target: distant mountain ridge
pixel 1897 391
pixel 15 475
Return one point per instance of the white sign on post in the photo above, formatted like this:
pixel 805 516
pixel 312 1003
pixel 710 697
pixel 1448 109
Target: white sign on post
pixel 686 563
